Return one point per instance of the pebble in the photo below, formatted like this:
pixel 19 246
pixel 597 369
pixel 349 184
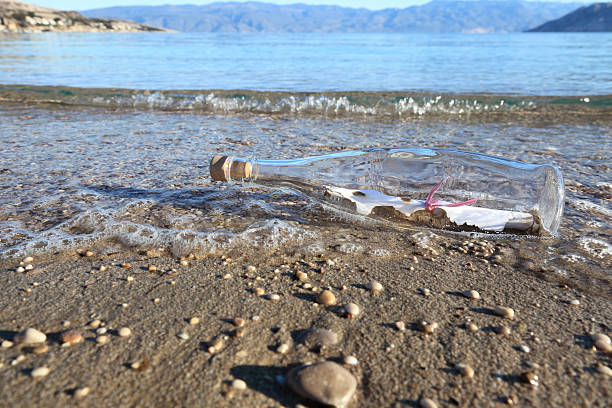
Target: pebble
pixel 603 346
pixel 428 327
pixel 125 332
pixel 42 349
pixel 194 320
pixel 152 268
pixel 471 327
pixel 319 338
pixel 89 254
pixel 71 337
pixel 471 294
pixel 273 297
pixel 530 378
pixel 28 259
pixel 6 344
pixel 351 310
pixel 81 392
pixel 251 269
pixel 465 370
pixel 427 403
pixel 102 339
pixel 605 370
pixel 130 279
pixel 239 385
pixel 283 348
pixel 503 330
pixel 20 269
pixel 31 336
pixel 101 330
pixel 238 322
pixel 259 291
pixel 184 262
pixel 126 265
pixel 326 298
pixel 426 292
pixel 18 360
pixel 574 302
pixel 94 324
pixel 601 338
pixel 216 346
pixel 401 326
pixel 301 276
pixel 374 286
pixel 326 383
pixel 183 336
pixel 102 268
pixel 350 360
pixel 29 267
pixel 40 372
pixel 524 348
pixel 506 312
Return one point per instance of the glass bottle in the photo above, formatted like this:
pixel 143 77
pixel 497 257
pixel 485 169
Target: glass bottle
pixel 399 184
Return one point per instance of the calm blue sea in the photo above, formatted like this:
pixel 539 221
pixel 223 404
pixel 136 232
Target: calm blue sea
pixel 518 63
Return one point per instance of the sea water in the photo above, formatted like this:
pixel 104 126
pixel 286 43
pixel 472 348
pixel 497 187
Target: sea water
pixel 106 138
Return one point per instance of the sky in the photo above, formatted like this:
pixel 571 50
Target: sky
pixel 370 4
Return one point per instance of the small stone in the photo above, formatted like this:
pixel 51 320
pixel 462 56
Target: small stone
pixel 251 269
pixel 510 399
pixel 102 340
pixel 239 385
pixel 31 336
pixel 29 267
pixel 326 298
pixel 40 372
pixel 94 324
pixel 524 348
pixel 194 320
pixel 184 262
pixel 301 276
pixel 238 322
pixel 326 383
pixel 605 370
pixel 71 337
pixel 401 326
pixel 428 328
pixel 574 302
pixel 471 327
pixel 427 403
pixel 319 338
pixel 42 349
pixel 89 254
pixel 103 268
pixel 66 323
pixel 273 297
pixel 259 291
pixel 374 286
pixel 506 312
pixel 28 259
pixel 471 294
pixel 350 360
pixel 603 346
pixel 81 392
pixel 125 332
pixel 216 346
pixel 283 348
pixel 101 330
pixel 465 370
pixel 351 310
pixel 6 344
pixel 156 300
pixel 426 292
pixel 183 336
pixel 20 269
pixel 530 378
pixel 152 268
pixel 18 360
pixel 130 279
pixel 126 265
pixel 601 338
pixel 503 330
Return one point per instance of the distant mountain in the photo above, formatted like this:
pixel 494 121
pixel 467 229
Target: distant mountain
pixel 19 17
pixel 594 18
pixel 436 16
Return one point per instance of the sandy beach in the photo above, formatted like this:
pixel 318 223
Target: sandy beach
pixel 172 359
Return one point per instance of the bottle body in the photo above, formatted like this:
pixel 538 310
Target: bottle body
pixel 409 174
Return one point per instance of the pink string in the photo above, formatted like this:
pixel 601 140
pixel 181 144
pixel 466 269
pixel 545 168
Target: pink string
pixel 431 204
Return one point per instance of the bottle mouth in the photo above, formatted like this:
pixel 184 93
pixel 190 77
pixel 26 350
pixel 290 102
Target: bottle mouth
pixel 225 168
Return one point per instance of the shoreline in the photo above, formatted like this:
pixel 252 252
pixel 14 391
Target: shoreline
pixel 395 368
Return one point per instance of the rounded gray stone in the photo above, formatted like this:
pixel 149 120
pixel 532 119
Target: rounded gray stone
pixel 325 382
pixel 319 338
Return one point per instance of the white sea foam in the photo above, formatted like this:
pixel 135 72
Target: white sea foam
pixel 596 247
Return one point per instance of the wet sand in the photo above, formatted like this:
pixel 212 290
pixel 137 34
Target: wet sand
pixel 396 368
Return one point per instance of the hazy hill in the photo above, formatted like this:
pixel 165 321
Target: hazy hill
pixel 436 16
pixel 16 16
pixel 594 18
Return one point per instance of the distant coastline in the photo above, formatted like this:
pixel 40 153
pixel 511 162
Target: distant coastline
pixel 18 17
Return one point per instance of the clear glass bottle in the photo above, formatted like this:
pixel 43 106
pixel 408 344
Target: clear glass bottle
pixel 399 184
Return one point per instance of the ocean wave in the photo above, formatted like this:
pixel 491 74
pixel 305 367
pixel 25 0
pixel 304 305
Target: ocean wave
pixel 394 105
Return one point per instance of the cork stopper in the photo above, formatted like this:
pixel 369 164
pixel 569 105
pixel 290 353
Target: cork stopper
pixel 222 168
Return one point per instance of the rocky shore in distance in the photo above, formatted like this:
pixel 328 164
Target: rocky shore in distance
pixel 18 17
